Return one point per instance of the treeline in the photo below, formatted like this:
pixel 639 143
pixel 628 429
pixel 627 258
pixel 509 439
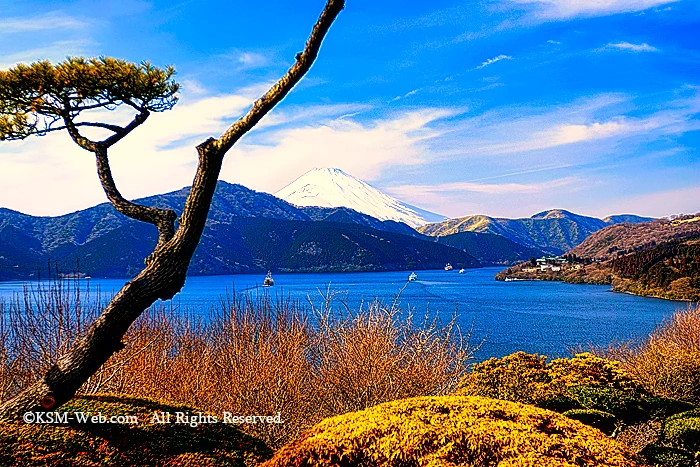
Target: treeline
pixel 661 265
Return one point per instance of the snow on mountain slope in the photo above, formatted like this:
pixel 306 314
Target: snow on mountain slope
pixel 327 187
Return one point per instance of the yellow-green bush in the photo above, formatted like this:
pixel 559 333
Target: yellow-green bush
pixel 528 378
pixel 684 431
pixel 451 431
pixel 625 405
pixel 586 369
pixel 520 377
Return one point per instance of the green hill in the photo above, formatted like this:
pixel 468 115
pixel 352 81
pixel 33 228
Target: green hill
pixel 489 248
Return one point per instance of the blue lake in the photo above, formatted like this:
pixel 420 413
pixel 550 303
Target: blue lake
pixel 550 318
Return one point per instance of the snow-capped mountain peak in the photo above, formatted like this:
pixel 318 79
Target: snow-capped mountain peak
pixel 331 187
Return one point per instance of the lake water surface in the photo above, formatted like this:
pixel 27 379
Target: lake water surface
pixel 549 318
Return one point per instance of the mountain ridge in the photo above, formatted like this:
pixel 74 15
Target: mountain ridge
pixel 553 231
pixel 108 244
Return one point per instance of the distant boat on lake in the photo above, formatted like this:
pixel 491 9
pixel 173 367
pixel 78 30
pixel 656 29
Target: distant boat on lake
pixel 269 281
pixel 448 267
pixel 413 276
pixel 461 271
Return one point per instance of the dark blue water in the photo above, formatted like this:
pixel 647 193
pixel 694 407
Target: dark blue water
pixel 549 318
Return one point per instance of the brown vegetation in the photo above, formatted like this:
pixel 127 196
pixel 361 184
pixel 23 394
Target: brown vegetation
pixel 667 363
pixel 251 357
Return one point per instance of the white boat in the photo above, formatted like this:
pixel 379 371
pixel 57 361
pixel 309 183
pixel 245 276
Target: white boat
pixel 269 281
pixel 413 276
pixel 448 267
pixel 461 271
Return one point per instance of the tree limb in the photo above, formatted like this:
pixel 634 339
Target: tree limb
pixel 122 132
pixel 164 219
pixel 304 60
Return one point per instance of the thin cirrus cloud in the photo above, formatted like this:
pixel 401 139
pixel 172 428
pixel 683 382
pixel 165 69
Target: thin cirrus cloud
pixel 47 21
pixel 585 121
pixel 493 60
pixel 418 191
pixel 629 47
pixel 564 9
pixel 252 60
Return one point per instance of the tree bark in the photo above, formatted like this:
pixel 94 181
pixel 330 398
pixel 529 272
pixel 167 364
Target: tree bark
pixel 166 267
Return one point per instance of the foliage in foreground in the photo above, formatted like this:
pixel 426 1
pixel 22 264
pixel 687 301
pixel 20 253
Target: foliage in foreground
pixel 600 393
pixel 452 431
pixel 251 357
pixel 126 445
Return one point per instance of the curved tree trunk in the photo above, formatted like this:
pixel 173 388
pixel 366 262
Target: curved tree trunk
pixel 166 267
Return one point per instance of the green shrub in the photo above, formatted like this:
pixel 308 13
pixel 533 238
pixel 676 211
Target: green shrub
pixel 560 403
pixel 452 431
pixel 667 456
pixel 127 445
pixel 603 421
pixel 663 407
pixel 624 405
pixel 684 431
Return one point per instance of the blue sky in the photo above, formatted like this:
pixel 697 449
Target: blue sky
pixel 498 107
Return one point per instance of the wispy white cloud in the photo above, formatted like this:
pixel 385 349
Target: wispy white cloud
pixel 595 119
pixel 47 21
pixel 493 60
pixel 563 9
pixel 418 191
pixel 629 47
pixel 408 94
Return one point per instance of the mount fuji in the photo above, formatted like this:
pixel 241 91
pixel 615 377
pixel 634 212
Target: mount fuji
pixel 332 188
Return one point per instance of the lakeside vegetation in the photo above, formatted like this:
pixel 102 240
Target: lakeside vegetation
pixel 332 373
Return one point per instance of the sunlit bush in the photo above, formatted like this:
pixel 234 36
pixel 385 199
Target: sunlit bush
pixel 451 431
pixel 528 378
